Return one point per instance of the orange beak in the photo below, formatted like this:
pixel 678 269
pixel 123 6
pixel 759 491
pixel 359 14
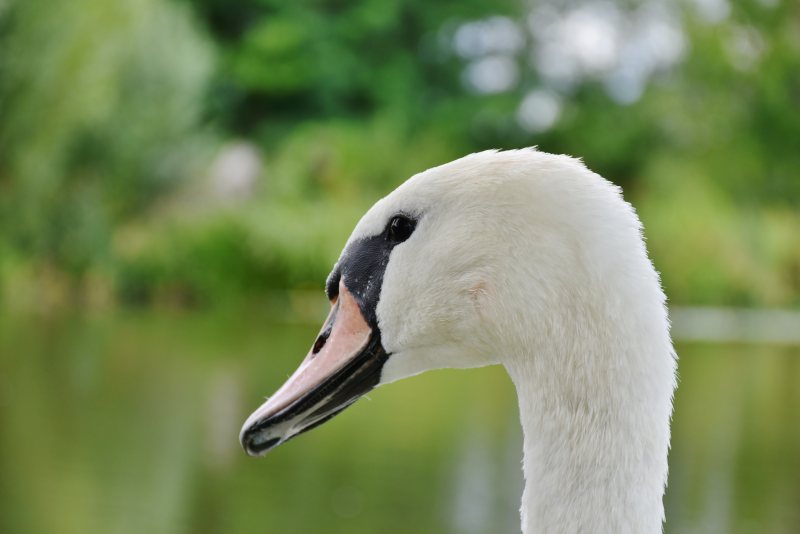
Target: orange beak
pixel 344 363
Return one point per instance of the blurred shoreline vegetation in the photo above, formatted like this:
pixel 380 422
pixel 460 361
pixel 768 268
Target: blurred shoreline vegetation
pixel 186 153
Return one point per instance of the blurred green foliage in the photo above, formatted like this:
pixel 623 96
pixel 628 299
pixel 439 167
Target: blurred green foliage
pixel 100 100
pixel 113 114
pixel 212 154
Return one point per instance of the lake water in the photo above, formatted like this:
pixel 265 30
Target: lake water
pixel 129 424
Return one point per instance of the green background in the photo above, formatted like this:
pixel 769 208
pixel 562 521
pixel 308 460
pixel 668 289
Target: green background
pixel 178 176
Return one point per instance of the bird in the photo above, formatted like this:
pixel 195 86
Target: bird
pixel 531 261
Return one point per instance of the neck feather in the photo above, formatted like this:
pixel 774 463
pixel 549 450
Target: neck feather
pixel 595 400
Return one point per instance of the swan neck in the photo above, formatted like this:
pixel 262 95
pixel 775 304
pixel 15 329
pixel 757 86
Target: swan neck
pixel 595 437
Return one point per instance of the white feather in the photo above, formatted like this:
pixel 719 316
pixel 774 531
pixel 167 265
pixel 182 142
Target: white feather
pixel 532 261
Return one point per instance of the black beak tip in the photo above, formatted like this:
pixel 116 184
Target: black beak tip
pixel 254 443
pixel 263 432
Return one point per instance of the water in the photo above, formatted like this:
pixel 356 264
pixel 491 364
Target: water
pixel 129 424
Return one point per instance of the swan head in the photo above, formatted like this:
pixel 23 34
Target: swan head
pixel 480 261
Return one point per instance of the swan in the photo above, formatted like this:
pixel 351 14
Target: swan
pixel 524 259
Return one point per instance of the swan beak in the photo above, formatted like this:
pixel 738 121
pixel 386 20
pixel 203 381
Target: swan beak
pixel 344 363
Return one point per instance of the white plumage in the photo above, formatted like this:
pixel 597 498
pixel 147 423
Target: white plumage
pixel 532 261
pixel 527 260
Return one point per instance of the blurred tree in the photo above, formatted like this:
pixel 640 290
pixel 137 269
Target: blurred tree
pixel 692 107
pixel 98 102
pixel 288 62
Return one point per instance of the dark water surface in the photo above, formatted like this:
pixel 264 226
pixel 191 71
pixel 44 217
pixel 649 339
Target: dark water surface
pixel 129 424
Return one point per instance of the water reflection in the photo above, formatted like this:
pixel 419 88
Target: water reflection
pixel 130 423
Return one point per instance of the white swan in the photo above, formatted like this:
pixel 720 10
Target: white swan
pixel 525 259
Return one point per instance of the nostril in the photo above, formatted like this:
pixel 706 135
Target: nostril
pixel 320 342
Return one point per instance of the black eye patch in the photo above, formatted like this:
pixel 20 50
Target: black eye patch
pixel 364 262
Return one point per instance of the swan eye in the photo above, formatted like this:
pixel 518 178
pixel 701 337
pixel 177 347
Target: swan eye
pixel 400 228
